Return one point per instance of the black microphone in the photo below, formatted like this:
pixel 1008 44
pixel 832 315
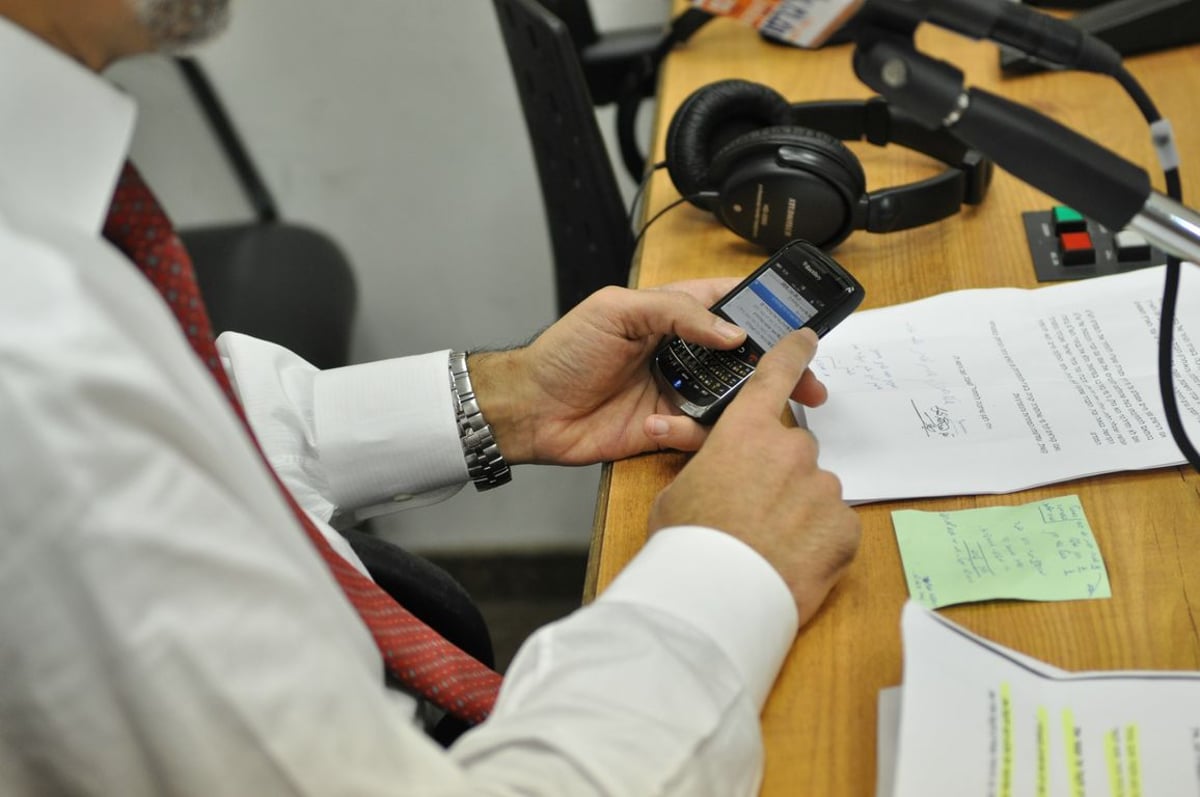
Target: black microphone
pixel 809 23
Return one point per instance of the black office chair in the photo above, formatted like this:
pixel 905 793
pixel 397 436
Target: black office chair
pixel 269 278
pixel 607 60
pixel 621 66
pixel 586 216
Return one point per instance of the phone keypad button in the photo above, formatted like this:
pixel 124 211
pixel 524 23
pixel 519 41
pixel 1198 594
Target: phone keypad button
pixel 701 375
pixel 732 366
pixel 681 369
pixel 722 373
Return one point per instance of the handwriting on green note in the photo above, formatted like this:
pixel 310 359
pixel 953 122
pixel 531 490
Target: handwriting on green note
pixel 1038 551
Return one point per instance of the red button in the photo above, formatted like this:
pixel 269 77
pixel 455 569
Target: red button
pixel 1076 248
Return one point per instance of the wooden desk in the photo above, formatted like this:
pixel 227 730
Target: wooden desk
pixel 820 720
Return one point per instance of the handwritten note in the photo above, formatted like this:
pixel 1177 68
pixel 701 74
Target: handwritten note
pixel 1039 551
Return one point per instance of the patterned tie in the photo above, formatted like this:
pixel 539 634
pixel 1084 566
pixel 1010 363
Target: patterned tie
pixel 415 654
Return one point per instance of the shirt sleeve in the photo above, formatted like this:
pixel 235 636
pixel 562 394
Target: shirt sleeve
pixel 356 441
pixel 656 688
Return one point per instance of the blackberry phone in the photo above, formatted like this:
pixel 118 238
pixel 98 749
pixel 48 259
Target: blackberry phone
pixel 799 286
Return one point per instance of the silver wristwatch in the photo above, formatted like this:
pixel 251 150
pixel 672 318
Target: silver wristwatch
pixel 485 464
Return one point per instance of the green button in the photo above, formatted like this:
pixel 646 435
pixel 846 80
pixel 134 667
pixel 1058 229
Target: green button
pixel 1068 220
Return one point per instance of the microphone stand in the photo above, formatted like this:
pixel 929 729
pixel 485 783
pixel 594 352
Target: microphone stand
pixel 1048 156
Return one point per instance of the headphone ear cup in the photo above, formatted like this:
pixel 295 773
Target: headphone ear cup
pixel 785 182
pixel 710 118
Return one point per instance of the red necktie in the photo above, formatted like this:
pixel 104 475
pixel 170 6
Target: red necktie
pixel 416 655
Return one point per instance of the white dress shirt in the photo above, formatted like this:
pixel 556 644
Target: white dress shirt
pixel 165 626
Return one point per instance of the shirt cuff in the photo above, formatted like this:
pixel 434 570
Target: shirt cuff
pixel 723 588
pixel 387 425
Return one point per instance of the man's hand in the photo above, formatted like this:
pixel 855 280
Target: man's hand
pixel 582 392
pixel 757 479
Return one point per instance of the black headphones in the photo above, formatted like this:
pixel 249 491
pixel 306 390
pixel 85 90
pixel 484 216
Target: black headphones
pixel 772 171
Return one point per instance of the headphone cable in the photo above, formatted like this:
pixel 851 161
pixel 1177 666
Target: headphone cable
pixel 638 84
pixel 641 191
pixel 674 204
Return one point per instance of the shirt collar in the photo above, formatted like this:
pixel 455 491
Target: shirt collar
pixel 64 132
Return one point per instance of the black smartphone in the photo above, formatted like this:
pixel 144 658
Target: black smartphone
pixel 799 286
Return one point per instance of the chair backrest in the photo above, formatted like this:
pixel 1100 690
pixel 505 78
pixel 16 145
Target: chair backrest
pixel 577 16
pixel 611 59
pixel 589 230
pixel 280 281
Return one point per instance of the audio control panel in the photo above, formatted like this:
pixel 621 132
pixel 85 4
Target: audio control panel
pixel 1065 245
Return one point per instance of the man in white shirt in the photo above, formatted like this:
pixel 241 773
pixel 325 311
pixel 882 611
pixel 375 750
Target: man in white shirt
pixel 166 627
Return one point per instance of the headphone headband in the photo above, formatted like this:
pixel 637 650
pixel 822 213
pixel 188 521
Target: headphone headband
pixel 876 122
pixel 771 170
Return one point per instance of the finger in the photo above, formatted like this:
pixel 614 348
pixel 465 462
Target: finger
pixel 705 291
pixel 811 391
pixel 778 374
pixel 675 431
pixel 658 312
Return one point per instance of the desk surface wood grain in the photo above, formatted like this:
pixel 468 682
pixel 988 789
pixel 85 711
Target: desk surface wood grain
pixel 819 723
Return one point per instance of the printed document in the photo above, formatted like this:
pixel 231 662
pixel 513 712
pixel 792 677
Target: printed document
pixel 976 718
pixel 1002 389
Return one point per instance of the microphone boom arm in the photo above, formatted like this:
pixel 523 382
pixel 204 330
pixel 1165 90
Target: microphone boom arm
pixel 1066 165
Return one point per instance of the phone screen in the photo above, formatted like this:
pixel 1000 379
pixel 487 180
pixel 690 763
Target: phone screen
pixel 770 307
pixel 799 286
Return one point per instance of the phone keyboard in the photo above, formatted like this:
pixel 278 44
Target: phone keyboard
pixel 702 375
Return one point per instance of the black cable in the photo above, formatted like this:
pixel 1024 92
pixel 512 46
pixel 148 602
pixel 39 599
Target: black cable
pixel 689 198
pixel 629 101
pixel 1170 298
pixel 639 84
pixel 1166 348
pixel 1137 94
pixel 641 190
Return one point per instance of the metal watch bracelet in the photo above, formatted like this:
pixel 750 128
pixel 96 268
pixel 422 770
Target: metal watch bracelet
pixel 485 464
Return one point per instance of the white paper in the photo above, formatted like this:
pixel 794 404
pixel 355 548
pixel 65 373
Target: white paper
pixel 979 719
pixel 998 390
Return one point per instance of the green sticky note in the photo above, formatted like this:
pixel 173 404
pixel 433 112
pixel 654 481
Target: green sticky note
pixel 1043 551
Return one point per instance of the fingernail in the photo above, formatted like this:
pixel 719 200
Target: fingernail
pixel 726 329
pixel 658 427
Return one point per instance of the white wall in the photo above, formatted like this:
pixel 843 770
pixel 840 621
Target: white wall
pixel 395 128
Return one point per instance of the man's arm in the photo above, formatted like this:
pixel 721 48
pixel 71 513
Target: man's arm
pixel 359 440
pixel 727 605
pixel 377 437
pixel 703 625
pixel 382 436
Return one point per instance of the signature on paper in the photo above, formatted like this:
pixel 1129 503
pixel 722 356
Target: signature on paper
pixel 937 421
